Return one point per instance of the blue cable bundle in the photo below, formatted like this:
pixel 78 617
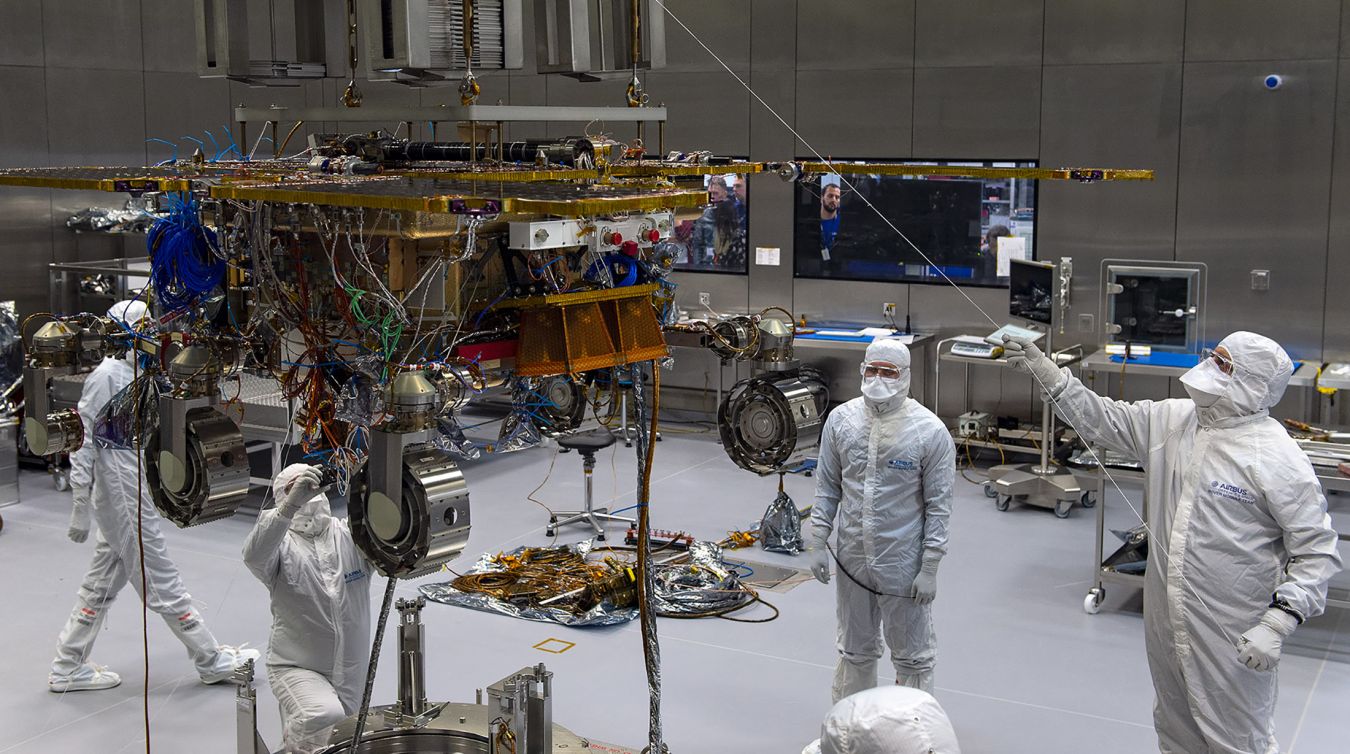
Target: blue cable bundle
pixel 183 266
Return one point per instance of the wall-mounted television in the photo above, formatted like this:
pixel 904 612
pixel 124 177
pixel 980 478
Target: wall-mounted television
pixel 965 229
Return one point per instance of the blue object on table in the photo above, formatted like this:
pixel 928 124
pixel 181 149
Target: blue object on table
pixel 1163 359
pixel 1171 359
pixel 840 338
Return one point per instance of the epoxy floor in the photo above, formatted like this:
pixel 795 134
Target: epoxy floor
pixel 1021 667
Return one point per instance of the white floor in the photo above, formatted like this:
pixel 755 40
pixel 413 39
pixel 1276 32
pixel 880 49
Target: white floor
pixel 1021 667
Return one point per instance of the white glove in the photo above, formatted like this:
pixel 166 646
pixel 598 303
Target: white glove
pixel 1024 356
pixel 79 514
pixel 924 588
pixel 819 559
pixel 1259 648
pixel 298 491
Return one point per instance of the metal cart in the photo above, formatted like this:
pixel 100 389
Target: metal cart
pixel 1103 574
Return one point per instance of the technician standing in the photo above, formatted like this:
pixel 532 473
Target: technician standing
pixel 886 470
pixel 1244 547
pixel 320 587
pixel 104 480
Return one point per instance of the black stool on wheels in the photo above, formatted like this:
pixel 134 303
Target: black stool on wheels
pixel 587 444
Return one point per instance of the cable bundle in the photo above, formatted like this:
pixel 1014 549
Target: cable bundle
pixel 183 264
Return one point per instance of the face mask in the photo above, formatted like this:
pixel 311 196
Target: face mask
pixel 879 388
pixel 1206 383
pixel 312 519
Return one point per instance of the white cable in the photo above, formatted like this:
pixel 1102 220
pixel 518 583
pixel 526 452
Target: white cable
pixel 1154 542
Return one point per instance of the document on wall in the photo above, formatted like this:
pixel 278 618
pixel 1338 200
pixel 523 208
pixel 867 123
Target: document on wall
pixel 768 256
pixel 1009 248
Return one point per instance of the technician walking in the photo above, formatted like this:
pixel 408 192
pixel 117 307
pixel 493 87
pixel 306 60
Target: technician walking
pixel 320 587
pixel 1243 543
pixel 885 472
pixel 104 480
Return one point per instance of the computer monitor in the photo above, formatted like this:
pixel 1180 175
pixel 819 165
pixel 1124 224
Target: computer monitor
pixel 1031 290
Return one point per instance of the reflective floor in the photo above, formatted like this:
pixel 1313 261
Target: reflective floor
pixel 1021 667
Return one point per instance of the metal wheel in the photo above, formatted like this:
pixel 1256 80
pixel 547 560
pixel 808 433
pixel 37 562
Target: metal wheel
pixel 1088 500
pixel 1003 502
pixel 1062 508
pixel 1092 603
pixel 989 491
pixel 61 480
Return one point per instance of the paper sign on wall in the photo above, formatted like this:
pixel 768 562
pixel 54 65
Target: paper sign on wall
pixel 1010 247
pixel 767 255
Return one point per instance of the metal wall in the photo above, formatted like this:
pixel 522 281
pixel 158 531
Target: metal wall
pixel 1247 178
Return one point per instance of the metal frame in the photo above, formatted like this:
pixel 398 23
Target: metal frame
pixel 1196 272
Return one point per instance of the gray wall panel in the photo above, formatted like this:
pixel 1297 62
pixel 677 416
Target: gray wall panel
pixel 978 32
pixel 977 112
pixel 771 205
pixel 724 27
pixel 1253 194
pixel 1345 28
pixel 180 104
pixel 1261 30
pixel 1113 31
pixel 726 293
pixel 848 301
pixel 1336 338
pixel 167 43
pixel 95 117
pixel 706 111
pixel 1109 115
pixel 525 90
pixel 773 35
pixel 21 38
pixel 23 130
pixel 863 113
pixel 847 36
pixel 104 35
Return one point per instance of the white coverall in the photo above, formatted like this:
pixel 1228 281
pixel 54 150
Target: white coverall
pixel 886 720
pixel 885 471
pixel 113 474
pixel 1238 519
pixel 320 643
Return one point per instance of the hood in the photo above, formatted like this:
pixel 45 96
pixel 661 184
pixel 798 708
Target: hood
pixel 131 315
pixel 897 353
pixel 313 517
pixel 1261 373
pixel 888 720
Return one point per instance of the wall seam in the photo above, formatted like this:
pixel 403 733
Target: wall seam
pixel 1181 132
pixel 1331 185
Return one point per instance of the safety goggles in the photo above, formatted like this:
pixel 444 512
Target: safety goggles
pixel 882 369
pixel 1221 360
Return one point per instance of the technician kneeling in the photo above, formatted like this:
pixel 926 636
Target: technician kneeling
pixel 1244 546
pixel 886 468
pixel 320 589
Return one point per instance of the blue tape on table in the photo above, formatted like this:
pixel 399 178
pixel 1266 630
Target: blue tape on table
pixel 1170 359
pixel 840 338
pixel 1163 359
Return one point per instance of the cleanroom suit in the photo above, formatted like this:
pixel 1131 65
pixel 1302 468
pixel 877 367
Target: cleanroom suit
pixel 320 587
pixel 1244 546
pixel 885 474
pixel 108 479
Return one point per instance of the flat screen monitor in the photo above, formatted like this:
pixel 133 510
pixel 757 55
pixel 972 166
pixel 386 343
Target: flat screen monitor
pixel 855 225
pixel 1031 290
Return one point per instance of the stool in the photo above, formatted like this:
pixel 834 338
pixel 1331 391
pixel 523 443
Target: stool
pixel 587 444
